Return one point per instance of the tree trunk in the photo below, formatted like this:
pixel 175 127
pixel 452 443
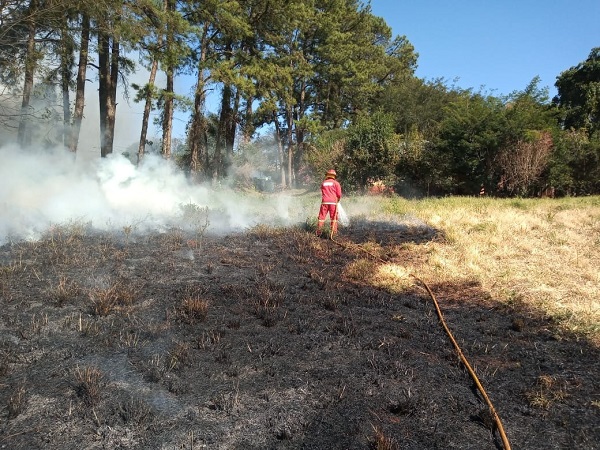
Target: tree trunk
pixel 147 109
pixel 221 137
pixel 149 96
pixel 103 88
pixel 248 129
pixel 112 98
pixel 232 127
pixel 80 89
pixel 280 155
pixel 196 137
pixel 296 128
pixel 167 125
pixel 108 59
pixel 24 133
pixel 290 148
pixel 301 110
pixel 66 63
pixel 66 106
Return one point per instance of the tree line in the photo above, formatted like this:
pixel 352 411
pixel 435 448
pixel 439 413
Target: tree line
pixel 327 80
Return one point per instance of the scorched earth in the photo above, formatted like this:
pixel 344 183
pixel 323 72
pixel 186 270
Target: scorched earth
pixel 272 339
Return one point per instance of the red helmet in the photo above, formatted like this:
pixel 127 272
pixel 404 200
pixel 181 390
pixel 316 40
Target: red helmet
pixel 331 173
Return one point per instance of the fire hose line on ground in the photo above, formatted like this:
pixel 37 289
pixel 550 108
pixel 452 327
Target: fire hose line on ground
pixel 494 415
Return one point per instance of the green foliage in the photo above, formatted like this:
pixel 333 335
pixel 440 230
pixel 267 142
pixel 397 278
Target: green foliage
pixel 482 140
pixel 326 152
pixel 371 151
pixel 416 105
pixel 523 164
pixel 469 139
pixel 579 94
pixel 421 170
pixel 575 167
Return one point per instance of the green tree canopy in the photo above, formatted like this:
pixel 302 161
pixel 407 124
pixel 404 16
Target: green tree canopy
pixel 371 151
pixel 579 94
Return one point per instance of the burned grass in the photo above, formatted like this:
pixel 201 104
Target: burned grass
pixel 274 339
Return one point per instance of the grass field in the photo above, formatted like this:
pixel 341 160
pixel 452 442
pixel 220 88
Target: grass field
pixel 544 253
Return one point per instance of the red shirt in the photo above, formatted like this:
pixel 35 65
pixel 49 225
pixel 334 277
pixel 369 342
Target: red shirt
pixel 331 191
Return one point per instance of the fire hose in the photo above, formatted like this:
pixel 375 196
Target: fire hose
pixel 497 423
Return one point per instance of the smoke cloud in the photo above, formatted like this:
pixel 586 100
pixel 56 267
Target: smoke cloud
pixel 40 189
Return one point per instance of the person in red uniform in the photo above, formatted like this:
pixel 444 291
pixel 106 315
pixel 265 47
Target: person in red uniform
pixel 331 193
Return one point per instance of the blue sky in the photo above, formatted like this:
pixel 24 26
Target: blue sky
pixel 499 46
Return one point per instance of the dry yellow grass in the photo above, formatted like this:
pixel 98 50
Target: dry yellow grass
pixel 542 252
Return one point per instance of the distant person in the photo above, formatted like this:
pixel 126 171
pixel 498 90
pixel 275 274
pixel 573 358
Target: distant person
pixel 482 191
pixel 331 193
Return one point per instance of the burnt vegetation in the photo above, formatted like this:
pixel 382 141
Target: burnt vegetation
pixel 270 339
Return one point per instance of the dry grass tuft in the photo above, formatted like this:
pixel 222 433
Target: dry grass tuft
pixel 63 242
pixel 225 401
pixel 208 340
pixel 267 297
pixel 360 270
pixel 37 322
pixel 380 441
pixel 16 402
pixel 7 276
pixel 546 392
pixel 394 277
pixel 89 384
pixel 64 291
pixel 263 231
pixel 155 368
pixel 179 356
pixel 174 239
pixel 192 310
pixel 129 339
pixel 107 300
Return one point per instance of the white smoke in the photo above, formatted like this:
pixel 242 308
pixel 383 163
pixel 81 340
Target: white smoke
pixel 39 189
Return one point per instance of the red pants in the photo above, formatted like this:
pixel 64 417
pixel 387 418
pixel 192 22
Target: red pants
pixel 330 209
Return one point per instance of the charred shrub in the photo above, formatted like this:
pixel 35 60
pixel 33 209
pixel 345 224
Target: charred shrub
pixel 195 218
pixel 135 411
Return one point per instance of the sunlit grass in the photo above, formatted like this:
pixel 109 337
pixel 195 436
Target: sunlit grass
pixel 544 253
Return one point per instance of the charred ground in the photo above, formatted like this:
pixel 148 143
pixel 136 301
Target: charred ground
pixel 271 339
